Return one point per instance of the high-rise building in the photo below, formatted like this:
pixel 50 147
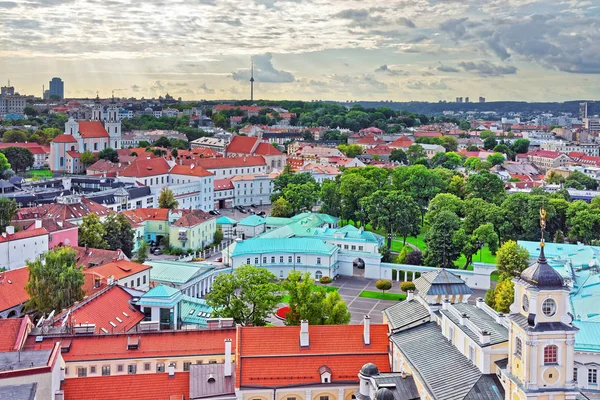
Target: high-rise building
pixel 583 110
pixel 459 99
pixel 57 88
pixel 466 99
pixel 481 99
pixel 7 90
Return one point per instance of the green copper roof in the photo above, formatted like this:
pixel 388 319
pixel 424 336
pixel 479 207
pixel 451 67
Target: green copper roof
pixel 287 245
pixel 252 220
pixel 177 272
pixel 278 221
pixel 194 311
pixel 225 220
pixel 161 291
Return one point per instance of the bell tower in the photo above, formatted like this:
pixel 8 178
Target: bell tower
pixel 113 125
pixel 97 109
pixel 541 334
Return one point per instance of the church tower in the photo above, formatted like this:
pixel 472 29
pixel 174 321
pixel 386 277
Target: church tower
pixel 97 109
pixel 541 334
pixel 113 125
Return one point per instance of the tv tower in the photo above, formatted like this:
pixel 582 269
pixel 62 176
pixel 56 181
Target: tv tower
pixel 252 82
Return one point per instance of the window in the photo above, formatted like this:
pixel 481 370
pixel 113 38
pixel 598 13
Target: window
pixel 318 275
pixel 345 247
pixel 255 260
pixel 549 307
pixel 353 247
pixel 518 347
pixel 525 302
pixel 281 259
pixel 360 248
pixel 120 368
pixel 131 369
pixel 138 281
pixel 472 354
pixel 575 375
pixel 291 398
pixel 147 366
pixel 248 261
pixel 186 366
pixel 272 259
pixel 106 370
pixel 144 279
pixel 81 372
pixel 323 397
pixel 318 260
pixel 551 354
pixel 212 361
pixel 264 260
pixel 298 260
pixel 93 369
pixel 451 334
pixel 132 283
pixel 593 376
pixel 160 367
pixel 290 259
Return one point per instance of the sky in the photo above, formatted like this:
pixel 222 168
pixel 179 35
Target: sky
pixel 400 50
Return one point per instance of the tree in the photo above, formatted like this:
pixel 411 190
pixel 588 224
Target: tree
pixel 87 158
pixel 142 252
pixel 583 179
pixel 281 208
pixel 302 197
pixel 511 260
pixel 30 111
pixel 218 237
pixel 414 258
pixel 126 235
pixel 112 232
pixel 456 186
pixel 7 173
pixel 414 152
pixel 20 158
pixel 520 146
pixel 354 187
pixel 248 295
pixel 383 285
pixel 490 297
pixel 483 235
pixel 144 144
pixel 443 245
pixel 487 186
pixel 306 300
pixel 14 136
pixel 56 283
pixel 489 143
pixel 393 211
pixel 330 197
pixel 398 155
pixel 166 199
pixel 163 141
pixel 559 237
pixel 444 202
pixel 109 154
pixel 504 296
pixel 335 310
pixel 91 232
pixel 496 159
pixel 8 210
pixel 351 150
pixel 4 164
pixel 406 286
pixel 419 183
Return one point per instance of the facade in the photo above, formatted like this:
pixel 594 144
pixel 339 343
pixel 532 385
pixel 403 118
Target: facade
pixel 589 149
pixel 194 230
pixel 251 226
pixel 191 279
pixel 16 248
pixel 224 193
pixel 57 88
pixel 227 168
pixel 545 159
pixel 252 189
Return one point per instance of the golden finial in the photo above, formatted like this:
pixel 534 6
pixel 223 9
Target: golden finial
pixel 542 223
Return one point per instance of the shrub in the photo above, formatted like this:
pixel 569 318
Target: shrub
pixel 406 286
pixel 402 256
pixel 325 279
pixel 414 258
pixel 383 285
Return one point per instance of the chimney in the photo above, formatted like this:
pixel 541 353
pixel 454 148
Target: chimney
pixel 304 339
pixel 464 318
pixel 479 303
pixel 445 304
pixel 410 295
pixel 171 369
pixel 499 318
pixel 367 330
pixel 227 367
pixel 484 338
pixel 10 230
pixel 59 223
pixel 38 223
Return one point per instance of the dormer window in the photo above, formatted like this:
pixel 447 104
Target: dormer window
pixel 325 373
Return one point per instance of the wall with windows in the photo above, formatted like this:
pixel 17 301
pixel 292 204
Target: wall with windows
pixel 198 236
pixel 333 392
pixel 140 281
pixel 280 264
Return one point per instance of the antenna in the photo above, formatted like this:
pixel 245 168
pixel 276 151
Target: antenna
pixel 252 79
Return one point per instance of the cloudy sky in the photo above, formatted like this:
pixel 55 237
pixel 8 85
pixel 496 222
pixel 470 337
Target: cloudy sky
pixel 544 50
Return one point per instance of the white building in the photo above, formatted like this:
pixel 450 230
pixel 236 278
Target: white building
pixel 16 248
pixel 252 189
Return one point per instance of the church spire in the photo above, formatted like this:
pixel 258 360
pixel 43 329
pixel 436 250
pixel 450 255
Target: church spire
pixel 252 80
pixel 542 257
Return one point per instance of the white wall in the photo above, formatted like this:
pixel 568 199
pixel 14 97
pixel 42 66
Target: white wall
pixel 14 253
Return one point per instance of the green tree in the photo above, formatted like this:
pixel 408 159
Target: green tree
pixel 489 143
pixel 112 232
pixel 335 310
pixel 383 285
pixel 496 159
pixel 559 237
pixel 330 198
pixel 30 111
pixel 87 158
pixel 483 235
pixel 142 252
pixel 281 208
pixel 520 146
pixel 20 158
pixel 472 163
pixel 109 154
pixel 511 260
pixel 457 186
pixel 56 283
pixel 8 210
pixel 248 295
pixel 490 297
pixel 354 187
pixel 487 186
pixel 398 155
pixel 351 150
pixel 306 300
pixel 504 296
pixel 14 136
pixel 406 286
pixel 443 242
pixel 163 141
pixel 91 232
pixel 166 199
pixel 415 152
pixel 220 120
pixel 126 235
pixel 302 197
pixel 444 202
pixel 4 164
pixel 419 183
pixel 218 237
pixel 583 179
pixel 393 211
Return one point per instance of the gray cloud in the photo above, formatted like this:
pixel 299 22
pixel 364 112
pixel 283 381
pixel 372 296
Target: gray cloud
pixel 232 22
pixel 206 90
pixel 389 71
pixel 264 71
pixel 362 17
pixel 446 68
pixel 406 22
pixel 7 4
pixel 421 85
pixel 486 68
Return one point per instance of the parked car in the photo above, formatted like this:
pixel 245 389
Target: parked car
pixel 253 206
pixel 218 212
pixel 251 210
pixel 242 210
pixel 220 259
pixel 261 213
pixel 213 212
pixel 157 252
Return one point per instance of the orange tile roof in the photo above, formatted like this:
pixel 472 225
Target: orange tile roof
pixel 401 142
pixel 92 129
pixel 146 167
pixel 64 139
pixel 272 356
pixel 267 149
pixel 368 140
pixel 88 257
pixel 428 134
pixel 231 162
pixel 242 144
pixel 23 234
pixel 193 218
pixel 190 170
pixel 152 345
pixel 123 387
pixel 138 215
pixel 10 328
pixel 119 269
pixel 223 184
pixel 102 309
pixel 12 288
pixel 73 154
pixel 49 224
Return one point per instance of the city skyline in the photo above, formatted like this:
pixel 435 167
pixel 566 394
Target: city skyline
pixel 419 50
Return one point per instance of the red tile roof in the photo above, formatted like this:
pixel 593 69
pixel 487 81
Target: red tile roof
pixel 64 139
pixel 267 149
pixel 62 212
pixel 403 142
pixel 242 144
pixel 223 184
pixel 428 134
pixel 105 166
pixel 205 342
pixel 92 129
pixel 231 162
pixel 369 140
pixel 272 356
pixel 138 215
pixel 379 149
pixel 544 154
pixel 89 257
pixel 73 154
pixel 146 167
pixel 371 130
pixel 193 218
pixel 190 170
pixel 14 331
pixel 118 269
pixel 49 224
pixel 4 237
pixel 102 309
pixel 12 288
pixel 123 387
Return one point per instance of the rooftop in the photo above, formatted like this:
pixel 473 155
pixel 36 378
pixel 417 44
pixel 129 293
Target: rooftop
pixel 441 282
pixel 25 391
pixel 285 245
pixel 12 288
pixel 119 269
pixel 144 167
pixel 406 314
pixel 19 360
pixel 176 271
pixel 92 129
pixel 193 218
pixel 252 220
pixel 482 320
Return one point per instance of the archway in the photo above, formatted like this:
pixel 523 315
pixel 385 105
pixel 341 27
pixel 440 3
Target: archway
pixel 358 267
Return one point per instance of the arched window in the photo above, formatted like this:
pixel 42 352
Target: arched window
pixel 318 275
pixel 518 347
pixel 62 161
pixel 551 354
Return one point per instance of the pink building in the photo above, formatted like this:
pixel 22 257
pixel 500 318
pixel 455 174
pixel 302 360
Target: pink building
pixel 59 232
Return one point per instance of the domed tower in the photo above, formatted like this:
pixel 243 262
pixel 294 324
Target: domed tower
pixel 367 371
pixel 97 109
pixel 384 394
pixel 541 334
pixel 113 125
